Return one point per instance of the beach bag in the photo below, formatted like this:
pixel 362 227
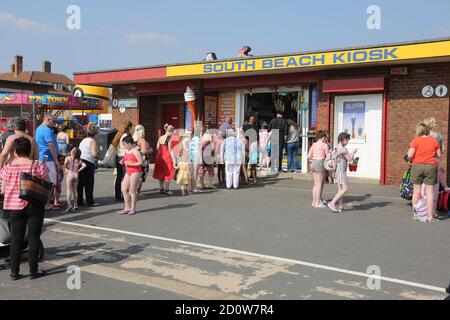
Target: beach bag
pixel 443 201
pixel 421 210
pixel 330 163
pixel 33 189
pixel 406 187
pixel 110 157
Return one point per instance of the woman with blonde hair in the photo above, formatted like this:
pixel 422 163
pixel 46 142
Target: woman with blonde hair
pixel 124 130
pixel 431 123
pixel 164 165
pixel 63 139
pixel 89 156
pixel 423 152
pixel 145 150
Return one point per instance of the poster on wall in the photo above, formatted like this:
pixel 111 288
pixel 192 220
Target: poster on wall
pixel 227 106
pixel 211 111
pixel 354 119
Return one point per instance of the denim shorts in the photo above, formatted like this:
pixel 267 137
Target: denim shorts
pixel 318 166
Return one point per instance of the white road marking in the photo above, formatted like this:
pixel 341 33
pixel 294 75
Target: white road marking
pixel 263 256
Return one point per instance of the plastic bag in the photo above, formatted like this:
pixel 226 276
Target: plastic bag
pixel 421 209
pixel 110 157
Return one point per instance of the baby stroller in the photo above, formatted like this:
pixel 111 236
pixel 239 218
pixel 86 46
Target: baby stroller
pixel 5 237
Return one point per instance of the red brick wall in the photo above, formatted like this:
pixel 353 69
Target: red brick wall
pixel 129 115
pixel 151 118
pixel 406 107
pixel 132 114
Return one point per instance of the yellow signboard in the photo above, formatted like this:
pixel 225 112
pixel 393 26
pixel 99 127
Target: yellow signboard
pixel 314 60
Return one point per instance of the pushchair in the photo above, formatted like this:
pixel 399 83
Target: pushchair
pixel 5 237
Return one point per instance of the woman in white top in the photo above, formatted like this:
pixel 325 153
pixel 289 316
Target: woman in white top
pixel 442 177
pixel 89 155
pixel 125 130
pixel 145 150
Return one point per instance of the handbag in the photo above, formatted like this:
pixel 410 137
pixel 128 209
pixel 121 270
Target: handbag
pixel 330 162
pixel 3 215
pixel 33 189
pixel 407 187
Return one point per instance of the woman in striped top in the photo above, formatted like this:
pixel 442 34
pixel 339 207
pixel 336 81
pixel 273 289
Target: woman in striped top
pixel 22 213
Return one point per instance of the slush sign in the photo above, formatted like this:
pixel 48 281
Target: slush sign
pixel 313 60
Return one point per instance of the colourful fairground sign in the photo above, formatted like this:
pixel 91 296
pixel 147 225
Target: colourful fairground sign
pixel 51 100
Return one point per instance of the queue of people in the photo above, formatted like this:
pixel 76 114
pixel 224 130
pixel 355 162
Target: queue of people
pixel 191 163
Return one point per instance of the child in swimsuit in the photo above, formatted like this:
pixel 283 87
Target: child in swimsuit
pixel 133 162
pixel 73 166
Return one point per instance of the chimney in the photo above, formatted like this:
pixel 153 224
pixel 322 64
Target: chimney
pixel 13 68
pixel 18 65
pixel 47 66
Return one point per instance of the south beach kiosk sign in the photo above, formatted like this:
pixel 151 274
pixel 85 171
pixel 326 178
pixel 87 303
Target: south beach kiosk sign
pixel 314 60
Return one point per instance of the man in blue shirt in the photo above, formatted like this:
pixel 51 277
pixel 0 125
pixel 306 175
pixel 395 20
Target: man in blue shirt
pixel 48 146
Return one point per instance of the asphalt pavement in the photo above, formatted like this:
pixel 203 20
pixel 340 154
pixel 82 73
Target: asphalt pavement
pixel 259 242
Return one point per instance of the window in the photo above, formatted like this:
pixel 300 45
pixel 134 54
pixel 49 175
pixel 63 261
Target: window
pixel 58 86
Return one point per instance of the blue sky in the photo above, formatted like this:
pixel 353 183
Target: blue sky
pixel 119 34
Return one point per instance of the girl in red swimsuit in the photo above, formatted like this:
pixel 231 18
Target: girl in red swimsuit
pixel 132 161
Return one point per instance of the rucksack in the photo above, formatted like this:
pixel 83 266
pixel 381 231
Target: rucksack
pixel 443 201
pixel 407 187
pixel 331 161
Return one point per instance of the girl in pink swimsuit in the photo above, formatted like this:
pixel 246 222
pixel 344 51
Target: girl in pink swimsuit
pixel 73 166
pixel 133 162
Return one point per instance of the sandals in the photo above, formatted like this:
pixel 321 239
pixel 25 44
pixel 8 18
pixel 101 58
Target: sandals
pixel 69 209
pixel 124 212
pixel 332 208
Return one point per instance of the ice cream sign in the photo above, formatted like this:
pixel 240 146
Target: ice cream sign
pixel 316 59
